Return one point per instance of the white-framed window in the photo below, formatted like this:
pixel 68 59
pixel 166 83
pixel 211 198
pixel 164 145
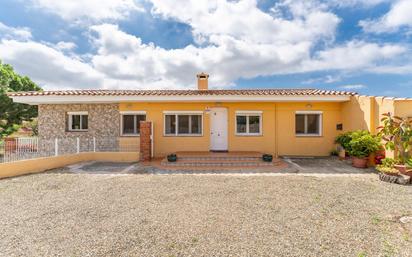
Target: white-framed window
pixel 78 121
pixel 248 123
pixel 308 123
pixel 183 123
pixel 130 122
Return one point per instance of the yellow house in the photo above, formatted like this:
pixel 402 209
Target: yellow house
pixel 282 122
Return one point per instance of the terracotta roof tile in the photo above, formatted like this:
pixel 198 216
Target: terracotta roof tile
pixel 251 92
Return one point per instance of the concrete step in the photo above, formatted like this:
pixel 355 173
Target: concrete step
pixel 219 158
pixel 223 156
pixel 217 163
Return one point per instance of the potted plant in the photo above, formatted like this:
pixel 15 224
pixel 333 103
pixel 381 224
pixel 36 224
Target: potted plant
pixel 343 140
pixel 389 173
pixel 407 168
pixel 362 145
pixel 380 155
pixel 267 157
pixel 387 167
pixel 172 157
pixel 397 134
pixel 341 152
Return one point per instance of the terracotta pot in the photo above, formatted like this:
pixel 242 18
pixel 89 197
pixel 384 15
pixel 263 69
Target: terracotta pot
pixel 359 162
pixel 371 160
pixel 403 169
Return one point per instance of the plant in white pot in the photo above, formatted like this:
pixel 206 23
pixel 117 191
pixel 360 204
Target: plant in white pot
pixel 343 140
pixel 362 145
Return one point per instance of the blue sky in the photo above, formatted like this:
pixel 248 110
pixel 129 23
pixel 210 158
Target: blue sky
pixel 356 45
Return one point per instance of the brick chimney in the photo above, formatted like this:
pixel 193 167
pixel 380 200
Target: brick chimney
pixel 202 81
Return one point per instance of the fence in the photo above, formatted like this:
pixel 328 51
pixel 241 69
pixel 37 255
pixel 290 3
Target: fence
pixel 15 149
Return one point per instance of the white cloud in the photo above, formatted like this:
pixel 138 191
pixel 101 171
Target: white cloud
pixel 49 67
pixel 355 3
pixel 353 87
pixel 7 32
pixel 243 20
pixel 354 55
pixel 124 59
pixel 326 79
pixel 238 41
pixel 62 45
pixel 90 10
pixel 398 16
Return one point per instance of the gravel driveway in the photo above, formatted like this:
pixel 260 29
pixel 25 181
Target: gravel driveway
pixel 90 214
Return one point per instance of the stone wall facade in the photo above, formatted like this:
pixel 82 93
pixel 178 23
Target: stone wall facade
pixel 103 124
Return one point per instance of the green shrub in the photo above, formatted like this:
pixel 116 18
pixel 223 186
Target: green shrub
pixel 363 144
pixel 387 166
pixel 384 169
pixel 409 163
pixel 389 162
pixel 344 140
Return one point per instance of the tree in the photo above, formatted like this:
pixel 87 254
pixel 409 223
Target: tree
pixel 13 114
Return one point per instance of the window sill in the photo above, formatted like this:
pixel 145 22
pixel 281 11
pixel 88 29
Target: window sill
pixel 308 135
pixel 183 135
pixel 249 135
pixel 130 135
pixel 78 130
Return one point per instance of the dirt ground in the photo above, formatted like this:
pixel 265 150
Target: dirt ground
pixel 103 209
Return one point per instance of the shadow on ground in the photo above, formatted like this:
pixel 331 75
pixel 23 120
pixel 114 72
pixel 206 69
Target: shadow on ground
pixel 327 165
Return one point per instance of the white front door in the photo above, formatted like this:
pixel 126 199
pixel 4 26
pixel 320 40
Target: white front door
pixel 218 129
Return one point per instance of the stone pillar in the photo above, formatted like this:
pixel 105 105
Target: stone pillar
pixel 145 142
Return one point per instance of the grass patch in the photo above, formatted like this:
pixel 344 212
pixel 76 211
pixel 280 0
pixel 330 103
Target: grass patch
pixel 376 220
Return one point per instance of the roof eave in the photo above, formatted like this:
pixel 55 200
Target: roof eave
pixel 76 99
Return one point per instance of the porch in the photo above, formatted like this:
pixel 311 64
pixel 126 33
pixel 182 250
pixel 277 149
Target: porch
pixel 233 159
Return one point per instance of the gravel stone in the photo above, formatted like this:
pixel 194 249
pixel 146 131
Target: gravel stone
pixel 127 214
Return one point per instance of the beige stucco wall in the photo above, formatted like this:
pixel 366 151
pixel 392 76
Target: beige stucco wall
pixel 365 112
pixel 403 108
pixel 164 144
pixel 37 165
pixel 278 127
pixel 382 105
pixel 356 113
pixel 264 143
pixel 278 123
pixel 290 144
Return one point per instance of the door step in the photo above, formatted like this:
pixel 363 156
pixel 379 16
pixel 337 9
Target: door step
pixel 206 159
pixel 219 158
pixel 217 163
